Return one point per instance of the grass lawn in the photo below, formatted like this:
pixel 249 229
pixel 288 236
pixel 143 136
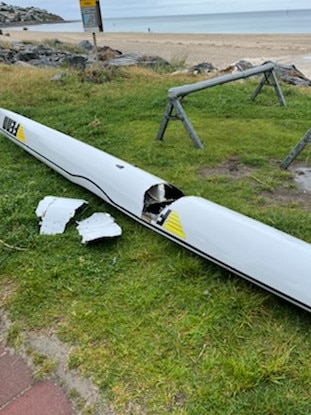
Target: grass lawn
pixel 158 329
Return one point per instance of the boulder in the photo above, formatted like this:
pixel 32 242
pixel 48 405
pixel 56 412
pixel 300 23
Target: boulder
pixel 76 61
pixel 105 53
pixel 137 59
pixel 291 75
pixel 203 68
pixel 288 73
pixel 86 44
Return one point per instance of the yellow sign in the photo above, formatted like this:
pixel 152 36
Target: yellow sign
pixel 91 16
pixel 87 3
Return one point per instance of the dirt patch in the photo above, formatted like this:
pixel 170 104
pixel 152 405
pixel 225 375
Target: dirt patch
pixel 296 190
pixel 284 196
pixel 230 168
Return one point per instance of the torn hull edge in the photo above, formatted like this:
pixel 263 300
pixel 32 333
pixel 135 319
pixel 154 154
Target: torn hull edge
pixel 272 259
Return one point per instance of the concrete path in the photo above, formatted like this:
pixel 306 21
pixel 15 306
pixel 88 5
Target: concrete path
pixel 21 394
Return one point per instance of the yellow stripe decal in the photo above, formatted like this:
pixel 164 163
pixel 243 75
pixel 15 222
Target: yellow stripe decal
pixel 20 133
pixel 173 225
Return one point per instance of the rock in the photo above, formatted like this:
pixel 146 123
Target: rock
pixel 243 65
pixel 7 56
pixel 26 55
pixel 76 61
pixel 203 68
pixel 136 59
pixel 106 53
pixel 292 80
pixel 239 66
pixel 152 61
pixel 58 77
pixel 23 64
pixel 291 75
pixel 124 60
pixel 86 44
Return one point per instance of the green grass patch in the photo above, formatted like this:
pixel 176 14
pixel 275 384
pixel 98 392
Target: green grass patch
pixel 158 329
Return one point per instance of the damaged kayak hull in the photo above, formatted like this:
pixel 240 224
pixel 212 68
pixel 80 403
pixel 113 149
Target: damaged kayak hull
pixel 272 259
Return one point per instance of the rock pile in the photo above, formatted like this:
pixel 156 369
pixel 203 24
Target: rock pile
pixel 14 15
pixel 56 54
pixel 287 73
pixel 38 55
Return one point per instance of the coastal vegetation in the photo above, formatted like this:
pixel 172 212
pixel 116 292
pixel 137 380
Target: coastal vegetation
pixel 158 329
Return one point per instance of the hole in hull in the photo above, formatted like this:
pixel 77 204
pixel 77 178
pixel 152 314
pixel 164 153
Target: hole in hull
pixel 157 198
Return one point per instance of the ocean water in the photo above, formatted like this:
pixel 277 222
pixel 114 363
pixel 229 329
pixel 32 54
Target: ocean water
pixel 286 21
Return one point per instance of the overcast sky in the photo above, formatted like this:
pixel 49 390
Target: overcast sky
pixel 70 9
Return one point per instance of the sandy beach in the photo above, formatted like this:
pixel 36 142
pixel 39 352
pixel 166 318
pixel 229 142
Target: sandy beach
pixel 221 50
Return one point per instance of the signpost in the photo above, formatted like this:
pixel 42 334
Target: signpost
pixel 91 16
pixel 91 19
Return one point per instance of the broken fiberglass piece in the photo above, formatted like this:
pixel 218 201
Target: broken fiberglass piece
pixel 99 225
pixel 55 212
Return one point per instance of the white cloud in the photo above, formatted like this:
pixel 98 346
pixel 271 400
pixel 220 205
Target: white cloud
pixel 70 9
pixel 122 8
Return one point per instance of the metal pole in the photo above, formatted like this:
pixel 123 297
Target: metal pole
pixel 187 124
pixel 296 150
pixel 166 117
pixel 95 48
